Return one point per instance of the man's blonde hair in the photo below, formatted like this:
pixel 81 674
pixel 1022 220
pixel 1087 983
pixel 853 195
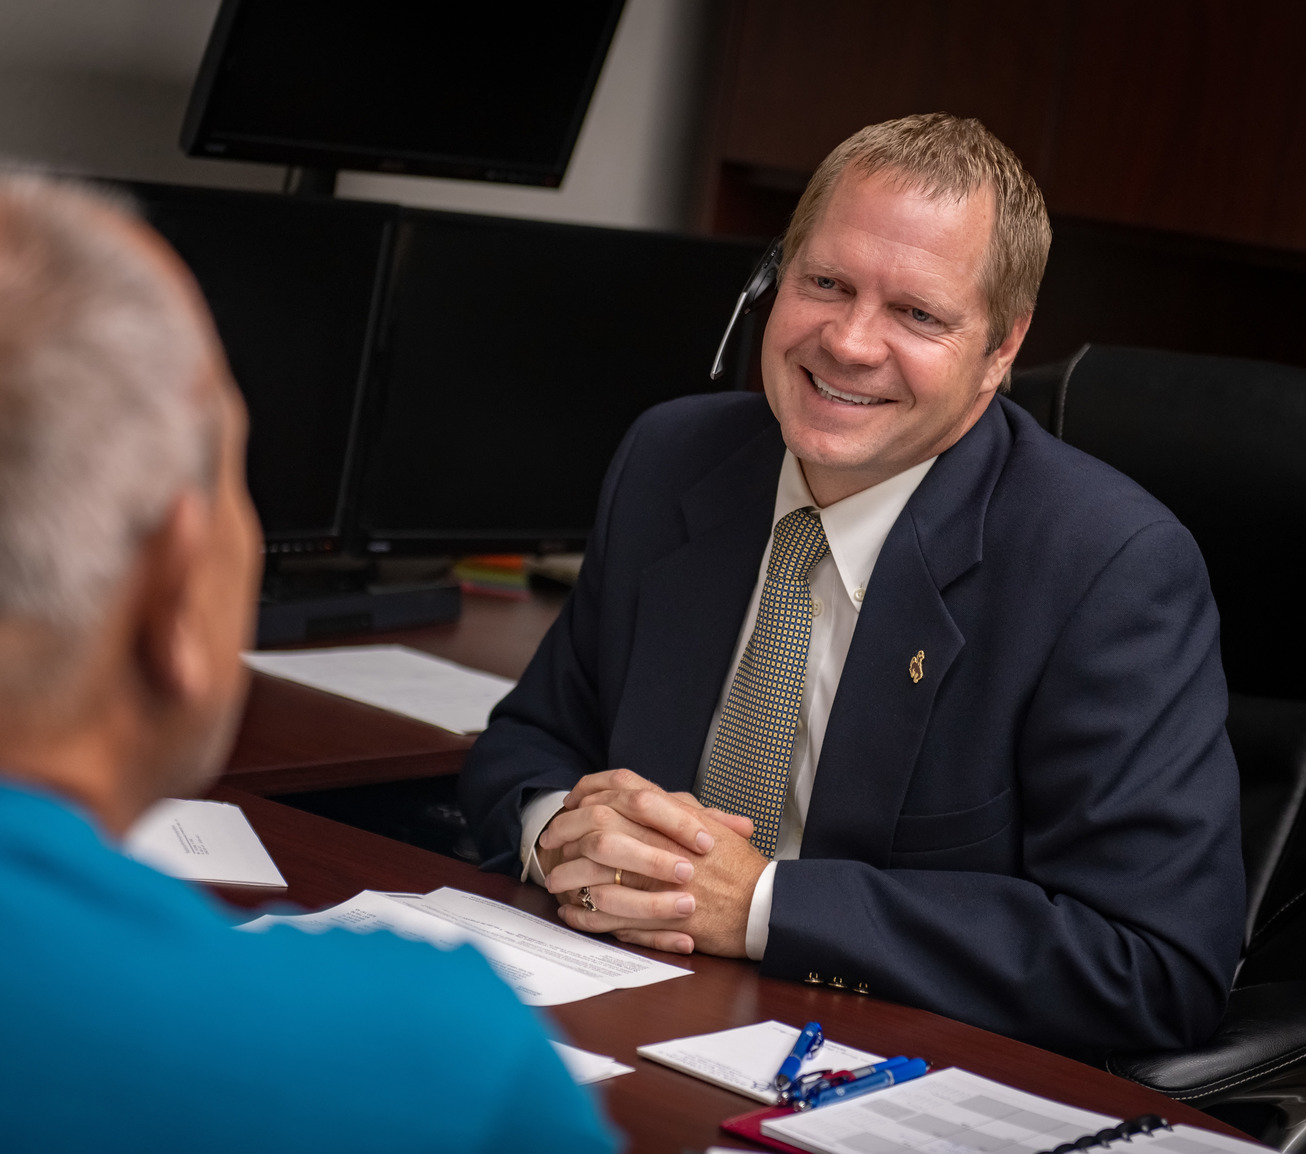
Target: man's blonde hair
pixel 945 156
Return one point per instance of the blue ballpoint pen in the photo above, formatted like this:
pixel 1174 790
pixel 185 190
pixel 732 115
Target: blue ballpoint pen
pixel 811 1084
pixel 856 1075
pixel 808 1042
pixel 878 1081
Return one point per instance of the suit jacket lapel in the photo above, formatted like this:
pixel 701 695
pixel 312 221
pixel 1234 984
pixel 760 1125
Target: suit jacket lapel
pixel 691 604
pixel 880 713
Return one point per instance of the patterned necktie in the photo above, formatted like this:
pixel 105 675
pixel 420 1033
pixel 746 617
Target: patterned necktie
pixel 748 769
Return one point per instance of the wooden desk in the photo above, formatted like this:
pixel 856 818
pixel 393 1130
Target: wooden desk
pixel 661 1110
pixel 294 738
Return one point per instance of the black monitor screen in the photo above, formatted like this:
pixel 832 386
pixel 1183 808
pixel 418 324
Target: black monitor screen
pixel 291 284
pixel 516 356
pixel 488 91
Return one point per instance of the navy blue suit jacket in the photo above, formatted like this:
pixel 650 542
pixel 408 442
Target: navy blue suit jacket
pixel 1039 837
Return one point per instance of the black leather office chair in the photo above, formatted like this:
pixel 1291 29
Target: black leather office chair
pixel 1223 443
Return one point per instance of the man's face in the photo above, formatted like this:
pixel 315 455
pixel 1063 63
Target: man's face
pixel 873 358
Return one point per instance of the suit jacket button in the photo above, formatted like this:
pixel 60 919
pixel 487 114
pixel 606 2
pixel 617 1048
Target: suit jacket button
pixel 835 983
pixel 813 978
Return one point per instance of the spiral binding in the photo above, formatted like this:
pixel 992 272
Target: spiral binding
pixel 1144 1124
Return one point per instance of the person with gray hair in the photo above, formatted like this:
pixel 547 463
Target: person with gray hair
pixel 135 1017
pixel 873 680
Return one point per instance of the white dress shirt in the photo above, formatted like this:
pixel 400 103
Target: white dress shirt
pixel 856 529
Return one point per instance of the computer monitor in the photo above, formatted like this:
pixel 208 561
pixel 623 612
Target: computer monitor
pixel 483 91
pixel 515 356
pixel 293 286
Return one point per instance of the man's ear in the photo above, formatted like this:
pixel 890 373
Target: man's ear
pixel 999 372
pixel 172 646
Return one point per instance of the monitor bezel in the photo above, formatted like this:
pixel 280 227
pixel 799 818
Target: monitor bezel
pixel 197 134
pixel 742 374
pixel 337 538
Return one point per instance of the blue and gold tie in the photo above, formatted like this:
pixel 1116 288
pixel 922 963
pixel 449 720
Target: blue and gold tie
pixel 748 769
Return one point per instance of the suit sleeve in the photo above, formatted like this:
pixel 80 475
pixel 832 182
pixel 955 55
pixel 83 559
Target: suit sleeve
pixel 1122 926
pixel 547 733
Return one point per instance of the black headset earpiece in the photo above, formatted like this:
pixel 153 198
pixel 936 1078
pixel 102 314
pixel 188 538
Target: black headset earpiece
pixel 761 284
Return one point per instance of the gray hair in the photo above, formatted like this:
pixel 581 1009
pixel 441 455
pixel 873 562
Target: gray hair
pixel 102 422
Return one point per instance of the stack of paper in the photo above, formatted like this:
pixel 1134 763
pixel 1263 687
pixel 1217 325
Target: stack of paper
pixel 746 1058
pixel 396 678
pixel 202 841
pixel 544 963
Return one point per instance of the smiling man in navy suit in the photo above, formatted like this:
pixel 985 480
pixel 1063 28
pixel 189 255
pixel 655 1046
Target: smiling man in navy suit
pixel 874 680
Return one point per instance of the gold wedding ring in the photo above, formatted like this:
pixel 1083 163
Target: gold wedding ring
pixel 617 879
pixel 587 900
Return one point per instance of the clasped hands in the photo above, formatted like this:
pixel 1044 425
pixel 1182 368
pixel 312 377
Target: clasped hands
pixel 687 873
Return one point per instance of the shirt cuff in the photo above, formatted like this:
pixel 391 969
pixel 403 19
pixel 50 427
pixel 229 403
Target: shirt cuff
pixel 535 815
pixel 759 915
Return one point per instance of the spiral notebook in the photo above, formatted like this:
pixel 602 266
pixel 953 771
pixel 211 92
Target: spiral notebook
pixel 966 1113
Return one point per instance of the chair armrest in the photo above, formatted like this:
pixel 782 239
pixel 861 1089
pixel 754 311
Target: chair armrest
pixel 1263 1033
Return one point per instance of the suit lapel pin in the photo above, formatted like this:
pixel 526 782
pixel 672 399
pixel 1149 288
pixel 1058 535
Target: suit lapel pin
pixel 916 667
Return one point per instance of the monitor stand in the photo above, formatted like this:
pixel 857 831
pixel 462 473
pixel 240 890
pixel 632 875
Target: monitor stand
pixel 308 605
pixel 310 181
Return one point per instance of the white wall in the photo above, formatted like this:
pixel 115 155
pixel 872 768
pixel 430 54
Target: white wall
pixel 99 88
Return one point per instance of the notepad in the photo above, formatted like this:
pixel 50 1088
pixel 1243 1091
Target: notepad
pixel 967 1114
pixel 202 841
pixel 746 1058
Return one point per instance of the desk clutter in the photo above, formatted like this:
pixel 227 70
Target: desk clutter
pixel 910 1112
pixel 827 1098
pixel 819 1096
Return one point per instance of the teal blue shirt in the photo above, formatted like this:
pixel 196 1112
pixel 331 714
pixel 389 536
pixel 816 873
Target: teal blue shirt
pixel 133 1018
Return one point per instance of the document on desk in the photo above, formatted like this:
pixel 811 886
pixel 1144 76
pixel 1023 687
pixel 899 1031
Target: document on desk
pixel 745 1059
pixel 202 841
pixel 965 1114
pixel 393 677
pixel 586 1068
pixel 545 964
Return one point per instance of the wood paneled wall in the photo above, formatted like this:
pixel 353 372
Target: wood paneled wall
pixel 1183 115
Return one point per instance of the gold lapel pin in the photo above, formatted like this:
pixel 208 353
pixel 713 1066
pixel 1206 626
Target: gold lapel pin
pixel 916 667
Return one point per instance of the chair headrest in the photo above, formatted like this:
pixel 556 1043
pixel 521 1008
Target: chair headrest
pixel 1222 443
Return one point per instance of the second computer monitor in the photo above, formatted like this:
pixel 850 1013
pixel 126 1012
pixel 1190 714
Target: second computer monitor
pixel 515 355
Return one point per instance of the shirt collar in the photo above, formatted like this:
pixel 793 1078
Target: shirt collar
pixel 856 527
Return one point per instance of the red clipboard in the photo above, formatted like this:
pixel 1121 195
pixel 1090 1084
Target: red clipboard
pixel 750 1126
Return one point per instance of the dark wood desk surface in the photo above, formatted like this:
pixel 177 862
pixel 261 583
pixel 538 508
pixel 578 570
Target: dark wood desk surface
pixel 294 738
pixel 659 1109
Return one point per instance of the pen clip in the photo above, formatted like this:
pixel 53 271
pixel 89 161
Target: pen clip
pixel 801 1086
pixel 810 1039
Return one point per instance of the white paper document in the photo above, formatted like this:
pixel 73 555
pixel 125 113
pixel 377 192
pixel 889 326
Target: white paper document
pixel 396 678
pixel 746 1058
pixel 585 1067
pixel 545 964
pixel 202 841
pixel 961 1112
